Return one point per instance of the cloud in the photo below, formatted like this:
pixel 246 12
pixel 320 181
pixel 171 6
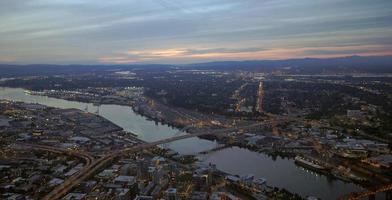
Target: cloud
pixel 7 59
pixel 223 50
pixel 195 55
pixel 349 50
pixel 337 52
pixel 48 31
pixel 172 54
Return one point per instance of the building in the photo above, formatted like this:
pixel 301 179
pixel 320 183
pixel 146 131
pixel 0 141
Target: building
pixel 223 196
pixel 381 161
pixel 142 169
pixel 74 196
pixel 129 183
pixel 143 198
pixel 125 180
pixel 199 195
pixel 123 194
pixel 355 114
pixel 171 194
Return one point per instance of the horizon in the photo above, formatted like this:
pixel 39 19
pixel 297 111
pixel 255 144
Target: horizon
pixel 195 100
pixel 195 63
pixel 176 32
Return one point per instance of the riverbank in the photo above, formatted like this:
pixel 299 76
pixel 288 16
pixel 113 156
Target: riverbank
pixel 46 100
pixel 138 103
pixel 279 172
pixel 151 131
pixel 146 130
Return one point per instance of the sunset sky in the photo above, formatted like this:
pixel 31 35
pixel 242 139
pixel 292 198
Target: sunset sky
pixel 185 31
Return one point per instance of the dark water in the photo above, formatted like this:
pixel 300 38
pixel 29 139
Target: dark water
pixel 280 172
pixel 123 116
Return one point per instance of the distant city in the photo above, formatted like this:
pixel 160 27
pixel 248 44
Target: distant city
pixel 196 100
pixel 152 132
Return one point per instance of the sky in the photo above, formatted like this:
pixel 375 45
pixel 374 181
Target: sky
pixel 188 31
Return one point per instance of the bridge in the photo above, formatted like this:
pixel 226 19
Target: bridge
pixel 370 193
pixel 96 165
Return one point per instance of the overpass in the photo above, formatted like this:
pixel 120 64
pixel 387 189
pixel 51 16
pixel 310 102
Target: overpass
pixel 87 158
pixel 98 164
pixel 370 193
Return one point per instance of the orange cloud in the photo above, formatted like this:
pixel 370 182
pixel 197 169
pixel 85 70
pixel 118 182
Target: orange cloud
pixel 157 53
pixel 7 59
pixel 116 60
pixel 192 55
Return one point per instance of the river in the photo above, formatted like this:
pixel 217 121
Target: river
pixel 279 172
pixel 122 116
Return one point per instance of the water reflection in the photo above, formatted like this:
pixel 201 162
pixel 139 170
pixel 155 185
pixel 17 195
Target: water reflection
pixel 123 116
pixel 281 172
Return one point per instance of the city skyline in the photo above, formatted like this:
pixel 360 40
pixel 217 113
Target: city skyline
pixel 195 100
pixel 172 31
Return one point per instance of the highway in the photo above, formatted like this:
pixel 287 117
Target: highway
pixel 87 158
pixel 97 165
pixel 369 193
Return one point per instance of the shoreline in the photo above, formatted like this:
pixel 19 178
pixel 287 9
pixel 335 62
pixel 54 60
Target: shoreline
pixel 269 153
pixel 158 122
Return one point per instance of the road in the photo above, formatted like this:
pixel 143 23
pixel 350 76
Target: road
pixel 98 164
pixel 260 96
pixel 88 159
pixel 368 193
